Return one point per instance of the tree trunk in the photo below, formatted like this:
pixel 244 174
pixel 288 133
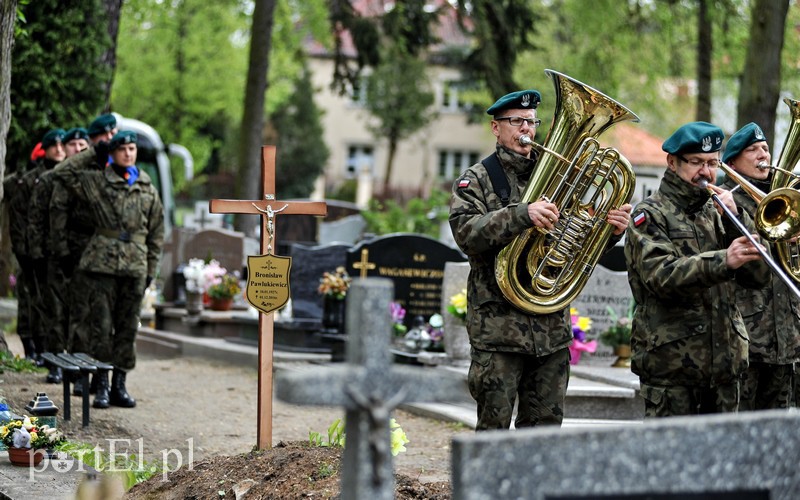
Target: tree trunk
pixel 112 9
pixel 249 183
pixel 8 16
pixel 705 46
pixel 761 79
pixel 387 180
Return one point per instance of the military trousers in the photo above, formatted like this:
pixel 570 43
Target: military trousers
pixel 538 384
pixel 28 327
pixel 104 316
pixel 672 400
pixel 766 386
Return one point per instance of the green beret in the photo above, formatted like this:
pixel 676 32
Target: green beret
pixel 52 137
pixel 120 138
pixel 743 137
pixel 103 123
pixel 523 99
pixel 76 133
pixel 695 137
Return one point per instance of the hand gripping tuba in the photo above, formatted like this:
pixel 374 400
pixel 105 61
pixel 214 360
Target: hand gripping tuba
pixel 543 271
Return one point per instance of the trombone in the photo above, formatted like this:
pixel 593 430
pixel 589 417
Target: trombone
pixel 742 229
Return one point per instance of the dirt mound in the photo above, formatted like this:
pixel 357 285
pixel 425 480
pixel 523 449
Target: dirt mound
pixel 288 470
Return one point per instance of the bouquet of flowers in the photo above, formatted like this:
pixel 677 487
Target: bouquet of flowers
pixel 398 315
pixel 458 305
pixel 580 326
pixel 226 287
pixel 335 284
pixel 620 332
pixel 436 332
pixel 200 276
pixel 27 433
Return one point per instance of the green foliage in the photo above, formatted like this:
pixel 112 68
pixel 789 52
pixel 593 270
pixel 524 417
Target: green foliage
pixel 326 470
pixel 16 363
pixel 56 77
pixel 129 468
pixel 619 333
pixel 335 436
pixel 301 154
pixel 419 215
pixel 346 192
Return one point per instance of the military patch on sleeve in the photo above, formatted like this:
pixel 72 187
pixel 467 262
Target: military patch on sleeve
pixel 463 183
pixel 638 219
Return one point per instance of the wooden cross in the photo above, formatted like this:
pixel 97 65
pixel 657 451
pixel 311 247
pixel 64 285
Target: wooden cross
pixel 267 209
pixel 364 265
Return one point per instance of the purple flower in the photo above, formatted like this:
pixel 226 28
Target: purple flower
pixel 578 334
pixel 398 313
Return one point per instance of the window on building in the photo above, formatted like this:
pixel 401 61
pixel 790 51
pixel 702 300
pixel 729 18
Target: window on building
pixel 452 163
pixel 358 158
pixel 358 92
pixel 450 96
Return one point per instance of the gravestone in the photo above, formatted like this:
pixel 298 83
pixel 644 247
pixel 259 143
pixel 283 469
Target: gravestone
pixel 308 264
pixel 415 264
pixel 750 455
pixel 223 245
pixel 370 388
pixel 202 218
pixel 456 341
pixel 604 289
pixel 348 230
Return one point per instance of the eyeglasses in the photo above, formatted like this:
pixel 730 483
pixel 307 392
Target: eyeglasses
pixel 698 163
pixel 516 121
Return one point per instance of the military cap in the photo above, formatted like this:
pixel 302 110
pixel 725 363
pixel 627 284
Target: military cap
pixel 103 123
pixel 743 137
pixel 76 133
pixel 120 138
pixel 52 137
pixel 523 99
pixel 694 137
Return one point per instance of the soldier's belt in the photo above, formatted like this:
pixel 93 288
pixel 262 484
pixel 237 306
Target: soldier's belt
pixel 122 235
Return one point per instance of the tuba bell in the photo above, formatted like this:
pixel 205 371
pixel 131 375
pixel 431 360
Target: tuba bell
pixel 543 271
pixel 789 252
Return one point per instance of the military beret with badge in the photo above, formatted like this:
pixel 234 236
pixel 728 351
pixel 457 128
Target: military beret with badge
pixel 694 137
pixel 102 124
pixel 523 99
pixel 53 137
pixel 75 134
pixel 743 137
pixel 122 138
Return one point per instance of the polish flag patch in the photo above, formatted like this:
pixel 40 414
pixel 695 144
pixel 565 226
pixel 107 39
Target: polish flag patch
pixel 639 219
pixel 463 183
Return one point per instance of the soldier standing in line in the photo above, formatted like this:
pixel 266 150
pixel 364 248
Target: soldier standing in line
pixel 73 221
pixel 53 308
pixel 29 289
pixel 118 263
pixel 684 257
pixel 772 313
pixel 515 354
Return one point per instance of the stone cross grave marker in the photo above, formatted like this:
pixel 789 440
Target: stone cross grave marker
pixel 268 208
pixel 744 456
pixel 369 388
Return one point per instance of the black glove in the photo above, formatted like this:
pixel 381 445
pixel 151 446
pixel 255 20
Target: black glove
pixel 101 150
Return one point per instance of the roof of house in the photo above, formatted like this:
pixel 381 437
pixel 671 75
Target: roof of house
pixel 636 144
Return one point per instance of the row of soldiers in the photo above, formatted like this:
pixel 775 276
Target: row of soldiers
pixel 86 228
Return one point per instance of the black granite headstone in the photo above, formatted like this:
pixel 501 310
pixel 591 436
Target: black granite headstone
pixel 308 265
pixel 414 263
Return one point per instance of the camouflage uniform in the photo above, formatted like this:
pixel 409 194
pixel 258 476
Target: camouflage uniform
pixel 514 354
pixel 689 341
pixel 33 266
pixel 70 229
pixel 772 318
pixel 123 251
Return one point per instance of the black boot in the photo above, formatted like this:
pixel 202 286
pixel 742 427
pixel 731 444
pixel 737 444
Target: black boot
pixel 119 395
pixel 93 385
pixel 101 398
pixel 54 376
pixel 29 346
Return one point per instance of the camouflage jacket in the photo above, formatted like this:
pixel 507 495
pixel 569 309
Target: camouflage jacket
pixel 128 222
pixel 19 206
pixel 482 227
pixel 771 314
pixel 687 328
pixel 16 221
pixel 70 218
pixel 38 216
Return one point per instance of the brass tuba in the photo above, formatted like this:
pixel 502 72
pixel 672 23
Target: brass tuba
pixel 788 252
pixel 543 271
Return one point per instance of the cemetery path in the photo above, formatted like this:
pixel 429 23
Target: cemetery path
pixel 190 409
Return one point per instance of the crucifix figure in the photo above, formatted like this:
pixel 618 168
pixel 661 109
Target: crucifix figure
pixel 370 388
pixel 268 208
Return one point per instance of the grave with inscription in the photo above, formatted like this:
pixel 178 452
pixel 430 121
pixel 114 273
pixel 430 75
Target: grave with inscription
pixel 415 264
pixel 744 456
pixel 604 289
